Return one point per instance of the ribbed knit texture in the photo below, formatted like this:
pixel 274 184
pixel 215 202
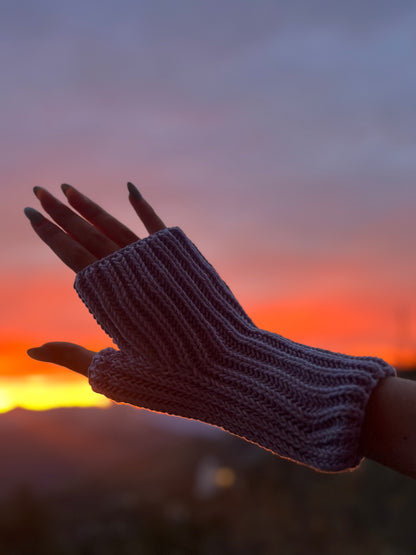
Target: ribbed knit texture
pixel 188 348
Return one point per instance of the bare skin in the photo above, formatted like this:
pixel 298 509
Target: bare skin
pixel 389 429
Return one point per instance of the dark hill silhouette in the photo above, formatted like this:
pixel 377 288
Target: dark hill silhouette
pixel 123 480
pixel 51 449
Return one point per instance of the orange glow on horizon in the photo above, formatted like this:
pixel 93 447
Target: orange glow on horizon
pixel 33 385
pixel 356 327
pixel 349 328
pixel 42 393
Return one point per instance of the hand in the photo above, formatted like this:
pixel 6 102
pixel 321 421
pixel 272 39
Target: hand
pixel 78 242
pixel 215 365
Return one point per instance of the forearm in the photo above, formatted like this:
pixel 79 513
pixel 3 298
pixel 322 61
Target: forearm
pixel 389 429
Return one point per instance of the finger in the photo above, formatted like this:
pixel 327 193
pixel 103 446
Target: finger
pixel 70 355
pixel 110 226
pixel 67 249
pixel 79 229
pixel 143 209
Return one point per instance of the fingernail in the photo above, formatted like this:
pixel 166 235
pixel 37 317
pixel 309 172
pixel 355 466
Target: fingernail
pixel 36 190
pixel 34 216
pixel 65 187
pixel 133 190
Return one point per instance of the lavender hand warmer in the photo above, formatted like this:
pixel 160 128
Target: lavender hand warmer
pixel 188 348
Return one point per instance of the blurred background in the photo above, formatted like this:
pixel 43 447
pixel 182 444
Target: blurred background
pixel 280 137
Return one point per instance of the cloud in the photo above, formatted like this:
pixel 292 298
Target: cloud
pixel 287 124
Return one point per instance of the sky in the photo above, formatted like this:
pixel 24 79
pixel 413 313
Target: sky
pixel 279 135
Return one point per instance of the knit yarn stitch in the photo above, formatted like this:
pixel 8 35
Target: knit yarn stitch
pixel 187 348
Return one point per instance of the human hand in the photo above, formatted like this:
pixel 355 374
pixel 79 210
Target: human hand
pixel 78 242
pixel 187 347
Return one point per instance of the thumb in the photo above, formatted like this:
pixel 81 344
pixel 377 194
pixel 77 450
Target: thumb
pixel 70 355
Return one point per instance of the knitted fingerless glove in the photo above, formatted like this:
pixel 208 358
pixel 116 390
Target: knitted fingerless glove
pixel 187 348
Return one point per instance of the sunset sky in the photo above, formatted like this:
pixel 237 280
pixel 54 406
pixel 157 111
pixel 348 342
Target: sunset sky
pixel 279 135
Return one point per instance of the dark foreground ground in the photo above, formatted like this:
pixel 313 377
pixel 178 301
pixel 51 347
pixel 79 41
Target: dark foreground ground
pixel 125 481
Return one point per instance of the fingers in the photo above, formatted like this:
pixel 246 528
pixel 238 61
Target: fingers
pixel 79 229
pixel 110 226
pixel 96 236
pixel 67 249
pixel 151 220
pixel 70 355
